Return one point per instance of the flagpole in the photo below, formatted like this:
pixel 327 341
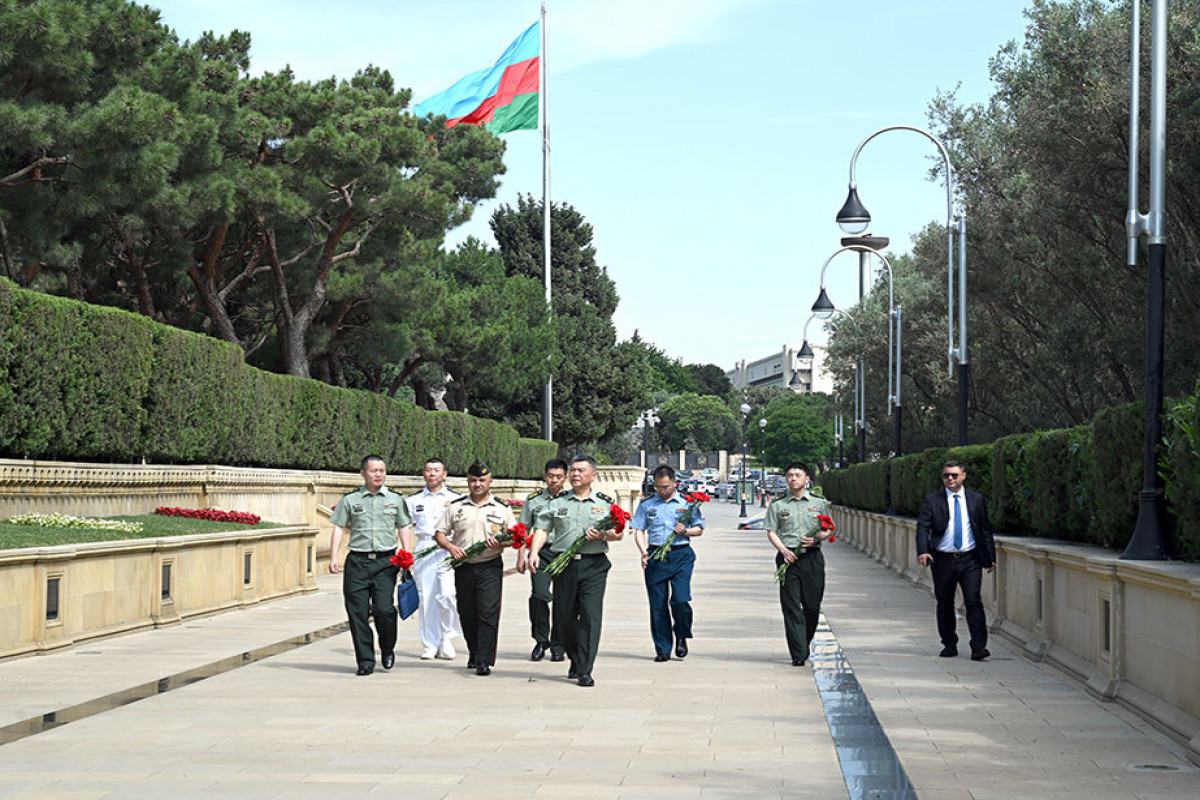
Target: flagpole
pixel 548 394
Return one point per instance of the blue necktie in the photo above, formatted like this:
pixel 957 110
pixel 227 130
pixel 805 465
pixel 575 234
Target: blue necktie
pixel 958 533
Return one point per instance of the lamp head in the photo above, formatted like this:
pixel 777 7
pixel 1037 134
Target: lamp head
pixel 745 408
pixel 762 423
pixel 854 218
pixel 823 308
pixel 805 350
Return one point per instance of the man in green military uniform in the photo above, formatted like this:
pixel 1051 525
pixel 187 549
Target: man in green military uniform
pixel 792 527
pixel 377 519
pixel 578 589
pixel 545 636
pixel 474 519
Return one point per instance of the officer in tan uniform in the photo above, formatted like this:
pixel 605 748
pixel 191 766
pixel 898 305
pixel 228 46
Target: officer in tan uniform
pixel 477 517
pixel 377 518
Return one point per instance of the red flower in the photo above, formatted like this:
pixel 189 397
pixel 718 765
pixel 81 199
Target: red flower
pixel 520 538
pixel 403 559
pixel 826 522
pixel 617 519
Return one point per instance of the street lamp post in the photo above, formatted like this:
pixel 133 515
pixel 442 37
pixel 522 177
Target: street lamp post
pixel 646 420
pixel 823 308
pixel 1150 541
pixel 762 464
pixel 745 409
pixel 860 381
pixel 853 219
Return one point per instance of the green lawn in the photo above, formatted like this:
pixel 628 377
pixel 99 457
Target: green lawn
pixel 14 536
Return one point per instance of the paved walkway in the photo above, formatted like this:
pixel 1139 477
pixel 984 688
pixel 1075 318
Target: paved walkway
pixel 733 720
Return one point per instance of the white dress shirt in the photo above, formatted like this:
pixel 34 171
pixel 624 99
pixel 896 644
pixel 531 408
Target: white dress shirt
pixel 946 545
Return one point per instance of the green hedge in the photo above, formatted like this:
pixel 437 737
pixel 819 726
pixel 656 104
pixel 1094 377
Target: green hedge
pixel 1079 484
pixel 83 382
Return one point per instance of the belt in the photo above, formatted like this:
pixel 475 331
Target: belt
pixel 672 548
pixel 959 554
pixel 373 554
pixel 588 555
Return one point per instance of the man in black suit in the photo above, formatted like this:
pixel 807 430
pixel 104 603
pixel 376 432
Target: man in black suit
pixel 959 546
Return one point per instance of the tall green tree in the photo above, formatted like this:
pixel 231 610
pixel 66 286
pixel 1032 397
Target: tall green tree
pixel 695 422
pixel 600 385
pixel 799 428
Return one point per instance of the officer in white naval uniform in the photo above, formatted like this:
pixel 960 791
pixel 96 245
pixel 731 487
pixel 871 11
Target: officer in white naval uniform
pixel 439 605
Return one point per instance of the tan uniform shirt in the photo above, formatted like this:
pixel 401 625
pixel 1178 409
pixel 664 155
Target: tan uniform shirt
pixel 465 523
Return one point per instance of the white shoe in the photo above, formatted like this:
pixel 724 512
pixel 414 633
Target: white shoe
pixel 446 652
pixel 427 655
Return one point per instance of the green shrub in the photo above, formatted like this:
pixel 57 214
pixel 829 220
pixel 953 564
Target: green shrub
pixel 1012 487
pixel 1182 433
pixel 1118 438
pixel 1061 472
pixel 977 461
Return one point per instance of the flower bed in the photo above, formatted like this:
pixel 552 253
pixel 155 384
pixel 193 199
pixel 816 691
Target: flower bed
pixel 213 514
pixel 67 521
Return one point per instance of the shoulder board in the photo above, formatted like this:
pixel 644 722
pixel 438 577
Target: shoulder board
pixel 414 495
pixel 501 501
pixel 532 495
pixel 563 493
pixel 605 498
pixel 458 499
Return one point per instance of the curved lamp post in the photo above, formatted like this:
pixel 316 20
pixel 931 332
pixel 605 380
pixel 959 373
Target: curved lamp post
pixel 860 382
pixel 646 420
pixel 823 308
pixel 853 219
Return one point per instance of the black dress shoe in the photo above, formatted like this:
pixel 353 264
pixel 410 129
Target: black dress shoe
pixel 389 660
pixel 483 669
pixel 586 680
pixel 681 648
pixel 797 662
pixel 979 655
pixel 365 670
pixel 557 657
pixel 949 651
pixel 572 673
pixel 539 652
pixel 472 663
pixel 661 657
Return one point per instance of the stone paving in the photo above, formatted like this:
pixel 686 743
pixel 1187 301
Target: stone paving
pixel 733 720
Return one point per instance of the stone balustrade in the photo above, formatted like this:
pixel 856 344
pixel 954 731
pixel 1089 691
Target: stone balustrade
pixel 1130 630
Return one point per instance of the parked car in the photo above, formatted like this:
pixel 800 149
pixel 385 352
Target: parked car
pixel 752 524
pixel 725 491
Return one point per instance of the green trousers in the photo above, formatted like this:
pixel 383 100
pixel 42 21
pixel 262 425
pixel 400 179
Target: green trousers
pixel 579 608
pixel 540 597
pixel 369 590
pixel 800 597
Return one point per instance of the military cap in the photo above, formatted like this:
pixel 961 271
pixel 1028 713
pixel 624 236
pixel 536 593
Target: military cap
pixel 478 469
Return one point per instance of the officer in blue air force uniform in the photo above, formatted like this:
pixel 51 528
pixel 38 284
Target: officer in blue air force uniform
pixel 377 520
pixel 668 579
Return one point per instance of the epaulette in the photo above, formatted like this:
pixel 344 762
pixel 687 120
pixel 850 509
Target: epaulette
pixel 606 498
pixel 563 493
pixel 458 499
pixel 534 494
pixel 501 501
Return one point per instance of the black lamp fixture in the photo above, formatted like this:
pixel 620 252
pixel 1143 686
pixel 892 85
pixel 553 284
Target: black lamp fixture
pixel 823 308
pixel 853 218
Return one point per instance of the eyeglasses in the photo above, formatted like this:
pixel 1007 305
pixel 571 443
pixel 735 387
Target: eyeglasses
pixel 951 475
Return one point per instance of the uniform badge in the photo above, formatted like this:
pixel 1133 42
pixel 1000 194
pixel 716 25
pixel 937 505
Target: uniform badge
pixel 419 509
pixel 784 513
pixel 562 512
pixel 357 507
pixel 652 513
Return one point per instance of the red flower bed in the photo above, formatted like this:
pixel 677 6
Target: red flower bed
pixel 213 514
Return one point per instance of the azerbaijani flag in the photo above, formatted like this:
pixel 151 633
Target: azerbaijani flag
pixel 503 98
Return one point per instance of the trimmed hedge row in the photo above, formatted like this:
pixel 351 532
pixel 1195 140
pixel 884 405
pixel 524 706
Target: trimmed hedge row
pixel 83 382
pixel 1079 484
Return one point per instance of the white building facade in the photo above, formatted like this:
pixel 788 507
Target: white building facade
pixel 787 369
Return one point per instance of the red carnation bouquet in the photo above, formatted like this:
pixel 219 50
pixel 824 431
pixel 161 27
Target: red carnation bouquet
pixel 213 514
pixel 687 516
pixel 516 536
pixel 403 559
pixel 615 521
pixel 826 523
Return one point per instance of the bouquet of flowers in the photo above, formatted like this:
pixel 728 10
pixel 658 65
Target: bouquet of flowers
pixel 687 516
pixel 516 536
pixel 826 523
pixel 615 521
pixel 403 559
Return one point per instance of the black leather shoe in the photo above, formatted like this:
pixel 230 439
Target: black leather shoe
pixel 681 648
pixel 557 657
pixel 539 652
pixel 586 680
pixel 572 673
pixel 949 651
pixel 661 657
pixel 980 655
pixel 365 670
pixel 797 662
pixel 389 660
pixel 483 669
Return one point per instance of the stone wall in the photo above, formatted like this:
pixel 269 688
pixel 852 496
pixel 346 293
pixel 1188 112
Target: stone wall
pixel 1130 630
pixel 53 597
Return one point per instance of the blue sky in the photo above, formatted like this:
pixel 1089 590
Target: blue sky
pixel 708 142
